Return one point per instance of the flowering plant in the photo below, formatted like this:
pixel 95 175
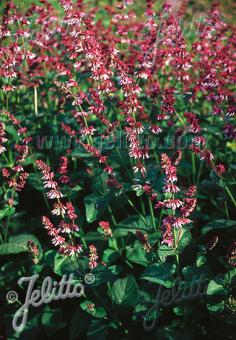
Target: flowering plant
pixel 117 145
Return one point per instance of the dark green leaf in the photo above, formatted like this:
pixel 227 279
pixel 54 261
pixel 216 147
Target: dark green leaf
pixel 96 205
pixel 132 224
pixel 218 225
pixel 52 320
pixel 96 312
pixel 104 274
pixel 19 244
pixel 137 254
pixel 97 330
pixel 79 323
pixel 159 273
pixel 124 292
pixel 6 212
pixel 110 255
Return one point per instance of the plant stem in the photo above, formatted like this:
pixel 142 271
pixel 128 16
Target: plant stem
pixel 133 206
pixel 160 218
pixel 175 246
pixel 230 195
pixel 89 138
pixel 199 172
pixel 142 206
pixel 112 215
pixel 194 166
pixel 124 164
pixel 180 119
pixel 151 212
pixel 129 264
pixel 226 210
pixel 5 157
pixel 1 238
pixel 7 227
pixel 35 101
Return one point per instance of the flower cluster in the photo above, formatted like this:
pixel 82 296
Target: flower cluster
pixel 64 210
pixel 93 257
pixel 106 228
pixel 143 239
pixel 34 251
pixel 14 173
pixel 181 208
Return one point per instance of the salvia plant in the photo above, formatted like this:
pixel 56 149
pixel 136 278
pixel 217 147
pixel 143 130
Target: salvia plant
pixel 117 165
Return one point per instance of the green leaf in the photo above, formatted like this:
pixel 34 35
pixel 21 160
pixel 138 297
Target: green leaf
pixel 73 193
pixel 65 265
pixel 31 330
pixel 230 277
pixel 95 206
pixel 179 310
pixel 110 255
pixel 159 273
pixel 12 248
pixel 197 274
pixel 79 323
pixel 215 289
pixel 97 330
pixel 137 254
pixel 184 239
pixel 201 260
pixel 217 308
pixel 36 181
pixel 52 320
pixel 215 178
pixel 24 239
pixel 104 274
pixel 49 257
pixel 96 312
pixel 124 292
pixel 173 332
pixel 19 244
pixel 164 251
pixel 132 224
pixel 9 272
pixel 218 225
pixel 216 294
pixel 12 131
pixel 138 189
pixel 80 152
pixel 6 212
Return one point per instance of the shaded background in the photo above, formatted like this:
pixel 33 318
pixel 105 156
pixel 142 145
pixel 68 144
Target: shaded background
pixel 194 6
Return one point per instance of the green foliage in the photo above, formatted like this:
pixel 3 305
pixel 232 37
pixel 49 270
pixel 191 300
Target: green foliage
pixel 124 292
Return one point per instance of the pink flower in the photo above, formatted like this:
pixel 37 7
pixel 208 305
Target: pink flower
pixel 206 155
pixel 71 211
pixel 188 206
pixel 178 222
pixel 70 250
pixel 173 203
pixel 50 184
pixel 58 240
pixel 58 209
pixel 106 228
pixel 155 129
pixel 93 257
pixel 172 188
pixel 67 227
pixel 52 194
pixel 220 168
